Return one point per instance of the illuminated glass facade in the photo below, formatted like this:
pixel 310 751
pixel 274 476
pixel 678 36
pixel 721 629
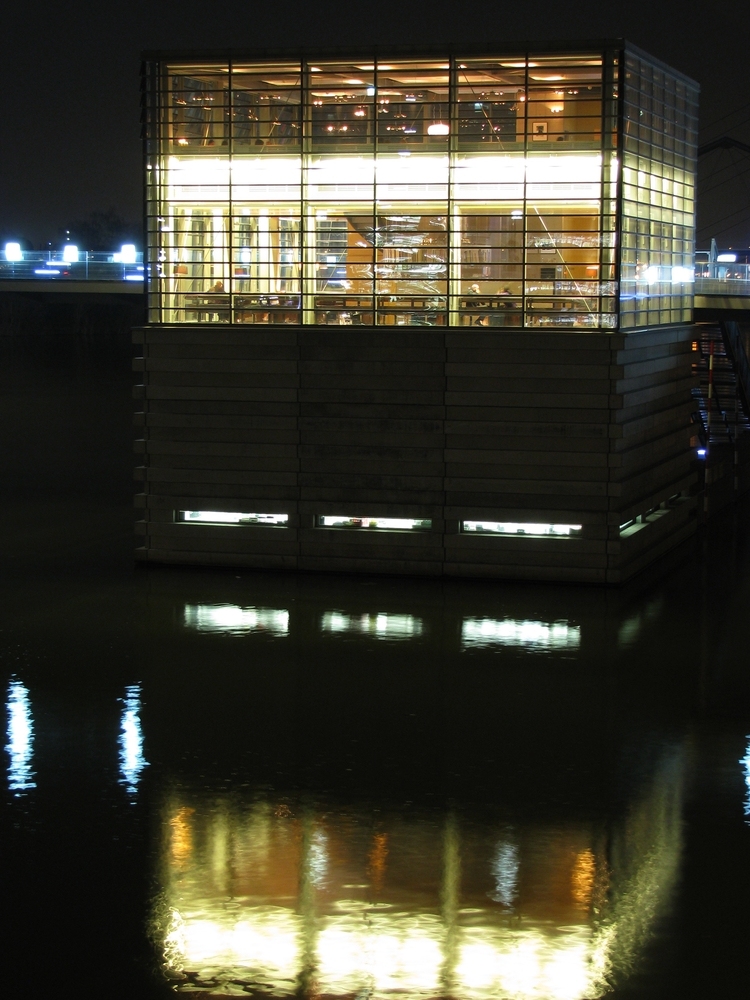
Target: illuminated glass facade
pixel 458 191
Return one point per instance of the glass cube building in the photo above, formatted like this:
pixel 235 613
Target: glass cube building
pixel 529 188
pixel 419 313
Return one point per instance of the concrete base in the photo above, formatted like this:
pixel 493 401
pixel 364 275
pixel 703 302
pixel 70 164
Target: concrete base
pixel 441 424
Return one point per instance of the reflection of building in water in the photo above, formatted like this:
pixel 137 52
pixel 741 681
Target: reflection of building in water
pixel 20 745
pixel 380 626
pixel 281 899
pixel 481 633
pixel 234 620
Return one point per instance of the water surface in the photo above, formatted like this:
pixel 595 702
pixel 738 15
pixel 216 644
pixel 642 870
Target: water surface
pixel 241 783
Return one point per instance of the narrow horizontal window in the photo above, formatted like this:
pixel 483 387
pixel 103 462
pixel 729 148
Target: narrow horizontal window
pixel 379 626
pixel 375 523
pixel 231 517
pixel 524 528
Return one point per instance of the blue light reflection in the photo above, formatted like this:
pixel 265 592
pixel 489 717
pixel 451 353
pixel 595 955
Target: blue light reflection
pixel 132 761
pixel 20 743
pixel 745 761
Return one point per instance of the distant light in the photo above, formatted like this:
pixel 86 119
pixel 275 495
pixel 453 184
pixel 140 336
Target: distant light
pixel 128 253
pixel 134 277
pixel 13 252
pixel 438 128
pixel 727 258
pixel 70 253
pixel 516 214
pixel 45 270
pixel 370 91
pixel 651 275
pixel 702 452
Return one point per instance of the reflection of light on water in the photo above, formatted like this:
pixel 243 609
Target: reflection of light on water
pixel 368 950
pixel 529 964
pixel 631 627
pixel 397 953
pixel 132 761
pixel 181 841
pixel 582 878
pixel 505 872
pixel 482 632
pixel 746 765
pixel 20 739
pixel 231 619
pixel 282 900
pixel 317 859
pixel 377 859
pixel 265 939
pixel 381 626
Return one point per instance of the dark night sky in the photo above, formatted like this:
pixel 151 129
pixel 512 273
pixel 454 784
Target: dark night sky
pixel 69 71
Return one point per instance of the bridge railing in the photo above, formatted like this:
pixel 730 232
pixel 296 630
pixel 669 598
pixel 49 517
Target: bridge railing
pixel 721 278
pixel 84 265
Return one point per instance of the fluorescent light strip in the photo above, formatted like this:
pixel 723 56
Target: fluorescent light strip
pixel 526 529
pixel 377 523
pixel 231 517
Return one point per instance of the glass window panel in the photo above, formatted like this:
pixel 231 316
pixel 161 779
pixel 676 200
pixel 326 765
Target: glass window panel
pixel 412 102
pixel 266 107
pixel 199 108
pixel 342 106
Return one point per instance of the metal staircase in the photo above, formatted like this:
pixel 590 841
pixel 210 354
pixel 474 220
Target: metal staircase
pixel 722 398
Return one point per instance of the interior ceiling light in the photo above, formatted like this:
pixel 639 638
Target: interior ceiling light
pixel 438 128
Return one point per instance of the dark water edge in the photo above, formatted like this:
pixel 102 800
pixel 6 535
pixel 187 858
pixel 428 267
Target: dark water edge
pixel 558 734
